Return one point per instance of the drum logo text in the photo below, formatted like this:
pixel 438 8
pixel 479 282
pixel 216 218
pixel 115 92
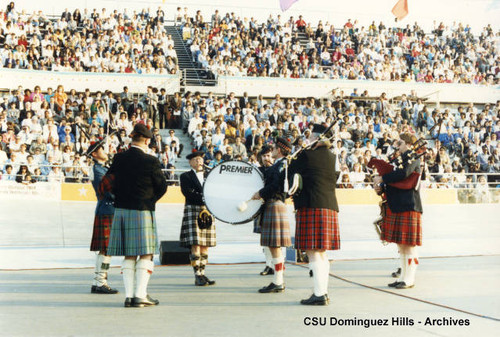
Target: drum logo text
pixel 235 169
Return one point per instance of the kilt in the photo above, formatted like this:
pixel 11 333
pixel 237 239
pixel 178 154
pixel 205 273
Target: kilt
pixel 133 233
pixel 256 224
pixel 100 234
pixel 403 228
pixel 317 228
pixel 191 234
pixel 275 227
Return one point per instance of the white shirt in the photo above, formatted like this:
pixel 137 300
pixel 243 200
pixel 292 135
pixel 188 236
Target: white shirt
pixel 200 177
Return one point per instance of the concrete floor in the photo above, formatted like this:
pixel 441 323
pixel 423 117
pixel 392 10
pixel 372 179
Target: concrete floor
pixel 58 302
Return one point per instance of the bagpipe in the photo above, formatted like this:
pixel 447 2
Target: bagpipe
pixel 416 150
pixel 296 184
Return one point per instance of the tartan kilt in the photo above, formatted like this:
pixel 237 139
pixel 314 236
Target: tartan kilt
pixel 100 234
pixel 133 233
pixel 403 228
pixel 256 224
pixel 317 228
pixel 191 234
pixel 275 226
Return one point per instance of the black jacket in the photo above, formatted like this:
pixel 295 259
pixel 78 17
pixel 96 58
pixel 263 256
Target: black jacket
pixel 319 176
pixel 139 182
pixel 274 178
pixel 191 188
pixel 402 200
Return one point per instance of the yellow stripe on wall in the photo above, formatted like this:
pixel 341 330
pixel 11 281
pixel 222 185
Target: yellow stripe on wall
pixel 85 192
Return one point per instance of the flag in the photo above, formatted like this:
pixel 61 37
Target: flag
pixel 400 10
pixel 285 4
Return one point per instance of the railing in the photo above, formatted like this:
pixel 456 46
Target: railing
pixel 454 180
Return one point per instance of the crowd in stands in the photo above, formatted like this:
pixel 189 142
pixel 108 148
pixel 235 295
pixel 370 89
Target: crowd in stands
pixel 91 41
pixel 229 45
pixel 137 42
pixel 44 135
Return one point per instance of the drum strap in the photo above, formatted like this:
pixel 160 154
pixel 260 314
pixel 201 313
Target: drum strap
pixel 285 187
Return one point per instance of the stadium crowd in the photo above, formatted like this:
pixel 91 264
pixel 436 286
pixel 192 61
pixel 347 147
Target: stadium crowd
pixel 44 135
pixel 137 42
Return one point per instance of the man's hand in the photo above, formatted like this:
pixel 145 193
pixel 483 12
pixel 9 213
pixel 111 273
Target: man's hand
pixel 256 196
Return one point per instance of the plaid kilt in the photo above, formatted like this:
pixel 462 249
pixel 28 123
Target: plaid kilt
pixel 191 234
pixel 275 227
pixel 100 234
pixel 403 228
pixel 133 233
pixel 317 228
pixel 256 224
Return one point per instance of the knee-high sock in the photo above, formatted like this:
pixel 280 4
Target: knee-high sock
pixel 144 269
pixel 317 265
pixel 269 257
pixel 279 269
pixel 411 269
pixel 402 262
pixel 326 273
pixel 203 263
pixel 99 277
pixel 195 263
pixel 128 272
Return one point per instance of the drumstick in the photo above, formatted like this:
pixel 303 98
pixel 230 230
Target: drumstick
pixel 242 206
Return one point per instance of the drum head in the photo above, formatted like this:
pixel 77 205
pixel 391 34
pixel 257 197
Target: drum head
pixel 228 188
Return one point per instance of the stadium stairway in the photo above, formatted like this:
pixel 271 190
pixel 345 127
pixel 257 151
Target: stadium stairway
pixel 192 73
pixel 182 163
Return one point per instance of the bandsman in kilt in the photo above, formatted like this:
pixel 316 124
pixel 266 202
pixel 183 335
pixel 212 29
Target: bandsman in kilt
pixel 316 217
pixel 274 223
pixel 103 218
pixel 266 160
pixel 196 235
pixel 138 183
pixel 402 223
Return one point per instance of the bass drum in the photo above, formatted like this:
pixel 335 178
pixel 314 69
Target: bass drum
pixel 230 185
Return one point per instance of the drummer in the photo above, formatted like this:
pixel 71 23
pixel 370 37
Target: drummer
pixel 192 236
pixel 266 160
pixel 275 227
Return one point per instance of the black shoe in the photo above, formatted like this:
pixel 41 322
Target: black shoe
pixel 128 302
pixel 402 285
pixel 397 273
pixel 311 273
pixel 394 284
pixel 267 271
pixel 92 290
pixel 209 281
pixel 200 281
pixel 316 300
pixel 272 288
pixel 144 302
pixel 105 289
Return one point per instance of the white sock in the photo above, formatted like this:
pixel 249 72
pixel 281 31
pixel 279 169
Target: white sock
pixel 144 269
pixel 269 257
pixel 326 274
pixel 128 272
pixel 97 271
pixel 402 261
pixel 411 269
pixel 279 268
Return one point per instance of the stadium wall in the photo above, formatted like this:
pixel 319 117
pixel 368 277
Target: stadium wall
pixel 85 192
pixel 436 92
pixel 11 78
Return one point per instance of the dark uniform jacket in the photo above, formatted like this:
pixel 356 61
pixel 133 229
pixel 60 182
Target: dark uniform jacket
pixel 319 176
pixel 274 178
pixel 104 202
pixel 402 200
pixel 139 182
pixel 191 188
